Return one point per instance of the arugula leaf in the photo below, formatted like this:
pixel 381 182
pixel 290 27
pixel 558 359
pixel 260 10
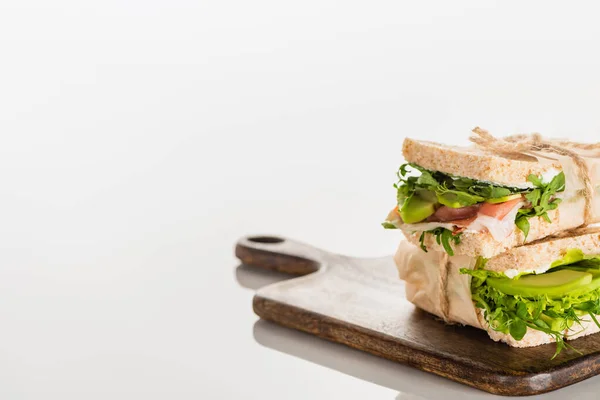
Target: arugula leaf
pixel 522 311
pixel 557 184
pixel 417 167
pixel 422 242
pixel 534 196
pixel 443 236
pixel 446 236
pixel 542 200
pixel 535 180
pixel 518 328
pixel 463 184
pixel 403 169
pixel 491 192
pixel 427 180
pixel 388 225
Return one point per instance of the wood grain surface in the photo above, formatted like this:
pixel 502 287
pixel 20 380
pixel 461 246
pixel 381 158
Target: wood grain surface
pixel 361 303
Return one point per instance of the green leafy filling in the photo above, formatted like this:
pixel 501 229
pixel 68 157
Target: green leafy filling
pixel 388 225
pixel 514 314
pixel 440 189
pixel 443 236
pixel 464 191
pixel 541 200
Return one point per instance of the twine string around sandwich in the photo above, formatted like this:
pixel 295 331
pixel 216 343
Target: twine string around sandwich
pixel 443 287
pixel 526 147
pixel 519 146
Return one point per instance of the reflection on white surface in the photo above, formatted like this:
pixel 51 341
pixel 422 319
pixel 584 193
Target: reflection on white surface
pixel 408 396
pixel 254 278
pixel 407 380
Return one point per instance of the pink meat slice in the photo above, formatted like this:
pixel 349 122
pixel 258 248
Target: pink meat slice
pixel 499 210
pixel 449 214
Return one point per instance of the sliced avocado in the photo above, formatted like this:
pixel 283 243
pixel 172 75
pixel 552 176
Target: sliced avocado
pixel 595 272
pixel 593 285
pixel 416 209
pixel 503 199
pixel 553 284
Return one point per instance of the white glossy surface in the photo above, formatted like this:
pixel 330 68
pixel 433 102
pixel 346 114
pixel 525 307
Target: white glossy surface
pixel 139 139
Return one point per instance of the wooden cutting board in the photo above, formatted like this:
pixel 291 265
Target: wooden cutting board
pixel 360 303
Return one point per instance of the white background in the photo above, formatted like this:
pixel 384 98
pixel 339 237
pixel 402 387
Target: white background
pixel 140 139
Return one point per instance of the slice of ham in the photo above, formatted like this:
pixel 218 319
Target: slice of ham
pixel 463 223
pixel 498 219
pixel 499 228
pixel 499 210
pixel 449 214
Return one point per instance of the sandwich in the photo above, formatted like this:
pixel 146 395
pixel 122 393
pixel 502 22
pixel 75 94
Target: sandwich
pixel 543 292
pixel 479 201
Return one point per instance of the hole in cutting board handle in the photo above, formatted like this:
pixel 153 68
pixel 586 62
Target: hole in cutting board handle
pixel 266 239
pixel 278 254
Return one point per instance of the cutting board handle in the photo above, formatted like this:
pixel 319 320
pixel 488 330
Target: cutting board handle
pixel 276 253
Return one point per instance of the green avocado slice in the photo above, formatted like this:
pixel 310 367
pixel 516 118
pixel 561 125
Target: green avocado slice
pixel 593 285
pixel 503 199
pixel 415 209
pixel 554 284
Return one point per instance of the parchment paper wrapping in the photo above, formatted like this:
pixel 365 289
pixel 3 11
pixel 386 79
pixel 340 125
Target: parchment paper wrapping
pixel 422 273
pixel 572 207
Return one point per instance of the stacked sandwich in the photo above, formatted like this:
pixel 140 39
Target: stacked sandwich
pixel 497 238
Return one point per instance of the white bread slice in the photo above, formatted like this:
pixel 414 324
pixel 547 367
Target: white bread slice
pixel 422 273
pixel 546 251
pixel 474 163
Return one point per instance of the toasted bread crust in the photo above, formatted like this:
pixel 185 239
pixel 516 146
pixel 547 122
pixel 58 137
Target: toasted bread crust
pixel 474 163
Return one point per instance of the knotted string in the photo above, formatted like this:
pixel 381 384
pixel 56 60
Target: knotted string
pixel 520 146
